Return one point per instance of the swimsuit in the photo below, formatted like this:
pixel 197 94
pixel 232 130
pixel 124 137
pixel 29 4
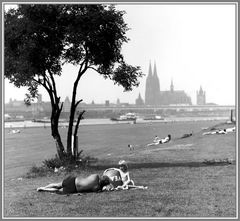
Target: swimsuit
pixel 69 185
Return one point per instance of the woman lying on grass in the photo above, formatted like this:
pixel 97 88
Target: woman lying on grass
pixel 160 141
pixel 72 184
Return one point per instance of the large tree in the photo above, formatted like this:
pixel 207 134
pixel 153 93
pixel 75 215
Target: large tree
pixel 40 38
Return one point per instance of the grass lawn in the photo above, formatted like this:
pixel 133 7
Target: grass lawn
pixel 179 183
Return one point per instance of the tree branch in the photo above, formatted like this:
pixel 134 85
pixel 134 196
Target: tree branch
pixel 53 83
pixel 81 69
pixel 80 73
pixel 46 84
pixel 41 83
pixel 80 117
pixel 59 110
pixel 61 107
pixel 78 103
pixel 93 68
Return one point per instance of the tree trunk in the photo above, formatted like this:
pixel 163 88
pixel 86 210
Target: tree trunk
pixel 73 109
pixel 70 129
pixel 56 135
pixel 59 146
pixel 71 120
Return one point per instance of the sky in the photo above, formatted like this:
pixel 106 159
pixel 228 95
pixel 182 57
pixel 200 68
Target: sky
pixel 191 44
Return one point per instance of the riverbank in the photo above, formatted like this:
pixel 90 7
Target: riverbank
pixel 104 121
pixel 179 183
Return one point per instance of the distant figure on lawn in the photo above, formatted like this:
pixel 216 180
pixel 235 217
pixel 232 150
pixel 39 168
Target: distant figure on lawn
pixel 73 184
pixel 156 139
pixel 220 131
pixel 160 141
pixel 131 147
pixel 232 129
pixel 14 131
pixel 187 135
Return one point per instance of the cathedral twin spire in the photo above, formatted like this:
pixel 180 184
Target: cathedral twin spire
pixel 153 95
pixel 155 70
pixel 152 86
pixel 150 74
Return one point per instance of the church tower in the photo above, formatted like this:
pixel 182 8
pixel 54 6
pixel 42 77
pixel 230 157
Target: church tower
pixel 156 86
pixel 139 100
pixel 171 87
pixel 149 87
pixel 152 91
pixel 201 97
pixel 154 96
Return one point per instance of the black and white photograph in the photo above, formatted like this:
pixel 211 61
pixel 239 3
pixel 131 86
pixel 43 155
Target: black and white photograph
pixel 119 110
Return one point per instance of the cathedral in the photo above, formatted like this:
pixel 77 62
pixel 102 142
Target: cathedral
pixel 201 97
pixel 154 96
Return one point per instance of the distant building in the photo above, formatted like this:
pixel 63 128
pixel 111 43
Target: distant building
pixel 15 103
pixel 139 100
pixel 201 97
pixel 107 103
pixel 154 96
pixel 66 105
pixel 152 91
pixel 118 102
pixel 39 99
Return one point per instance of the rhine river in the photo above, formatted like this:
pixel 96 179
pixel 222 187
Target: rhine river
pixel 25 124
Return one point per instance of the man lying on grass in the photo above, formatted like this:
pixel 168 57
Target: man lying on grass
pixel 72 184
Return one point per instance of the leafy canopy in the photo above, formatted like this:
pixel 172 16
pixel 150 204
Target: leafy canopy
pixel 39 39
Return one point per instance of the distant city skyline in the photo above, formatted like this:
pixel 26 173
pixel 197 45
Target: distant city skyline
pixel 193 45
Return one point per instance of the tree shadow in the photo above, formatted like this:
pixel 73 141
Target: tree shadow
pixel 164 164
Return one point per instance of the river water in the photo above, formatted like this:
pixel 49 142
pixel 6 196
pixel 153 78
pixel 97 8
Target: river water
pixel 25 124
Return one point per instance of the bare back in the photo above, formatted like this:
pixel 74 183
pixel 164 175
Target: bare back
pixel 88 184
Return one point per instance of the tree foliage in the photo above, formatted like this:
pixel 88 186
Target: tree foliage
pixel 40 38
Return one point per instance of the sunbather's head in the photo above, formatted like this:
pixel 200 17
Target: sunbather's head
pixel 123 165
pixel 104 181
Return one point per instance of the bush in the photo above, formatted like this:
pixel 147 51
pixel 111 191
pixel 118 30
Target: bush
pixel 68 163
pixel 38 172
pixel 54 163
pixel 219 161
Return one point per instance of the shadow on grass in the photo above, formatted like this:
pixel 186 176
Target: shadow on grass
pixel 161 165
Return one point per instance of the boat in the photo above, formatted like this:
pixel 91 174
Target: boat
pixel 8 118
pixel 126 117
pixel 44 120
pixel 14 120
pixel 153 117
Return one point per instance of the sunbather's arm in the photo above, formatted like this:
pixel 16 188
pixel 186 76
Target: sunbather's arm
pixel 127 180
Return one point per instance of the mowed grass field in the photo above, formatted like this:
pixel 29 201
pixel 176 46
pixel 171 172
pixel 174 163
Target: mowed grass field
pixel 179 183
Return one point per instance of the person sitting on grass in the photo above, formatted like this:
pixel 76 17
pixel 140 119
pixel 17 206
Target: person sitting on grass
pixel 161 141
pixel 124 173
pixel 75 184
pixel 120 178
